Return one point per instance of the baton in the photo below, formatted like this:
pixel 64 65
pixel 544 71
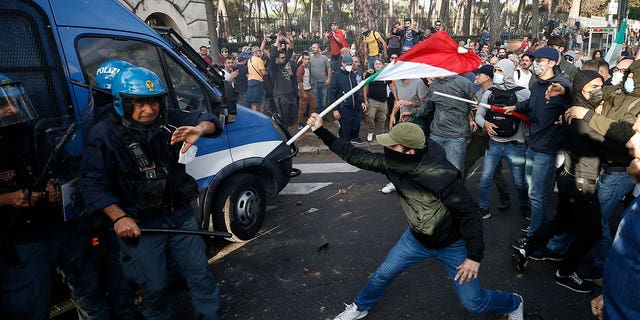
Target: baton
pixel 191 232
pixel 188 232
pixel 515 114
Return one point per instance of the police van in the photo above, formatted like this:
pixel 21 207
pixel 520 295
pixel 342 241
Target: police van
pixel 54 48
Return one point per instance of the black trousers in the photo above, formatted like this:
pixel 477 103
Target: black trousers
pixel 578 212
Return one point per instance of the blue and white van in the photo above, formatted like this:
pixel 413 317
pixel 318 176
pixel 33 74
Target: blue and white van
pixel 54 48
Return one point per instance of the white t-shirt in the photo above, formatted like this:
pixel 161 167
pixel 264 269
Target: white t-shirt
pixel 521 78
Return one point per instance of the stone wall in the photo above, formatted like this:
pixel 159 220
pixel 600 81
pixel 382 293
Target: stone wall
pixel 187 17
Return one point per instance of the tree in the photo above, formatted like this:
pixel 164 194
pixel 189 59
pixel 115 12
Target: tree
pixel 495 24
pixel 363 11
pixel 535 18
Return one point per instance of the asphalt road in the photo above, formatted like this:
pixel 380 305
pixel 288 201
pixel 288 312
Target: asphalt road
pixel 316 250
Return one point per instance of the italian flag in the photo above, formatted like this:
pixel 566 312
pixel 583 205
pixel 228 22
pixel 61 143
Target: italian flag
pixel 438 56
pixel 616 49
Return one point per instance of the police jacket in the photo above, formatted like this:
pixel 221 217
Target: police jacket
pixel 438 207
pixel 545 135
pixel 18 172
pixel 341 83
pixel 138 169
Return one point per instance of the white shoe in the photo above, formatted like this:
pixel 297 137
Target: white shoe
pixel 370 136
pixel 518 313
pixel 351 313
pixel 388 188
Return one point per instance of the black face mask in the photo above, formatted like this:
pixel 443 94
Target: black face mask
pixel 402 162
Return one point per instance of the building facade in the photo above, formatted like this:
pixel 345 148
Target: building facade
pixel 187 17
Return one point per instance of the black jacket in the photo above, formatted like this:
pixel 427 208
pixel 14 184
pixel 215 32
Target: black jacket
pixel 109 173
pixel 341 83
pixel 545 135
pixel 438 207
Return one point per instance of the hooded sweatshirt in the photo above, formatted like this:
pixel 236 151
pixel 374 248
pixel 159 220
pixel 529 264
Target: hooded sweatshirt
pixel 507 68
pixel 583 145
pixel 545 135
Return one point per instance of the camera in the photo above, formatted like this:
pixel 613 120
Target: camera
pixel 273 36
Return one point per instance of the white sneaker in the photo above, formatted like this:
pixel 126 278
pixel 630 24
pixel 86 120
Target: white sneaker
pixel 351 313
pixel 388 188
pixel 370 136
pixel 518 314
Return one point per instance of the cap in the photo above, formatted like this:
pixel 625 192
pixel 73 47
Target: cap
pixel 333 22
pixel 347 59
pixel 546 52
pixel 486 69
pixel 406 134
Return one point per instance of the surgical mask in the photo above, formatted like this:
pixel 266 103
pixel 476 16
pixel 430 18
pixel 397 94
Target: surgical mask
pixel 616 79
pixel 629 85
pixel 595 97
pixel 348 68
pixel 498 79
pixel 537 68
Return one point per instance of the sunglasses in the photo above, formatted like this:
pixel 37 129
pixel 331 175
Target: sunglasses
pixel 437 24
pixel 392 58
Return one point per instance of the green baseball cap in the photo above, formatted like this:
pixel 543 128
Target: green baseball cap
pixel 407 134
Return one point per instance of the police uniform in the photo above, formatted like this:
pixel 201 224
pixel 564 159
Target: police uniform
pixel 35 240
pixel 133 165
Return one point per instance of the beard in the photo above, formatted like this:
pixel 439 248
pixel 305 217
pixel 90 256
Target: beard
pixel 634 169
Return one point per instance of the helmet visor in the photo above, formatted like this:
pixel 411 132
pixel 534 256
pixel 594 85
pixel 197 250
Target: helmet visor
pixel 15 106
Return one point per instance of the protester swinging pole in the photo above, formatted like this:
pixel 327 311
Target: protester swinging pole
pixel 335 104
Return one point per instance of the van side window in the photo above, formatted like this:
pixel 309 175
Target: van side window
pixel 187 91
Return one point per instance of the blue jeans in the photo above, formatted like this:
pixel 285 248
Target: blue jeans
pixel 621 281
pixel 455 148
pixel 540 171
pixel 612 187
pixel 27 286
pixel 370 61
pixel 146 264
pixel 514 152
pixel 408 251
pixel 320 93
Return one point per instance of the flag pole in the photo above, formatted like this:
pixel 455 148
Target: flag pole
pixel 336 103
pixel 485 105
pixel 478 103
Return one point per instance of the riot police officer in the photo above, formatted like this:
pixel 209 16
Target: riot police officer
pixel 130 172
pixel 34 239
pixel 120 290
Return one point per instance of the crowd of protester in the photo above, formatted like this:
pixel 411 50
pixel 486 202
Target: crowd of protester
pixel 580 110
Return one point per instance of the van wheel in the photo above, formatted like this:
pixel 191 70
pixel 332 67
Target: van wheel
pixel 240 207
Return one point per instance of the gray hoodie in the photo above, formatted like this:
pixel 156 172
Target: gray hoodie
pixel 508 68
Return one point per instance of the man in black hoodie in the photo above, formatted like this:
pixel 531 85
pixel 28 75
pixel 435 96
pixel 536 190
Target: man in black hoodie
pixel 444 221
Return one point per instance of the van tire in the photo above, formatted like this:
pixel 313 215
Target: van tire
pixel 240 207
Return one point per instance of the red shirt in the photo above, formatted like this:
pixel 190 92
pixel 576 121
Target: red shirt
pixel 337 44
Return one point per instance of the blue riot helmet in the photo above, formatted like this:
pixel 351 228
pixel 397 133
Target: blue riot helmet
pixel 15 106
pixel 134 84
pixel 107 70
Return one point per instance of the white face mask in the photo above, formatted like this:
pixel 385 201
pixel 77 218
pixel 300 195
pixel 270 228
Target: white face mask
pixel 629 85
pixel 616 78
pixel 537 68
pixel 348 68
pixel 498 79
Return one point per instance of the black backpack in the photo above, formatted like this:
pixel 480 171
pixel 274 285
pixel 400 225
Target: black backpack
pixel 507 125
